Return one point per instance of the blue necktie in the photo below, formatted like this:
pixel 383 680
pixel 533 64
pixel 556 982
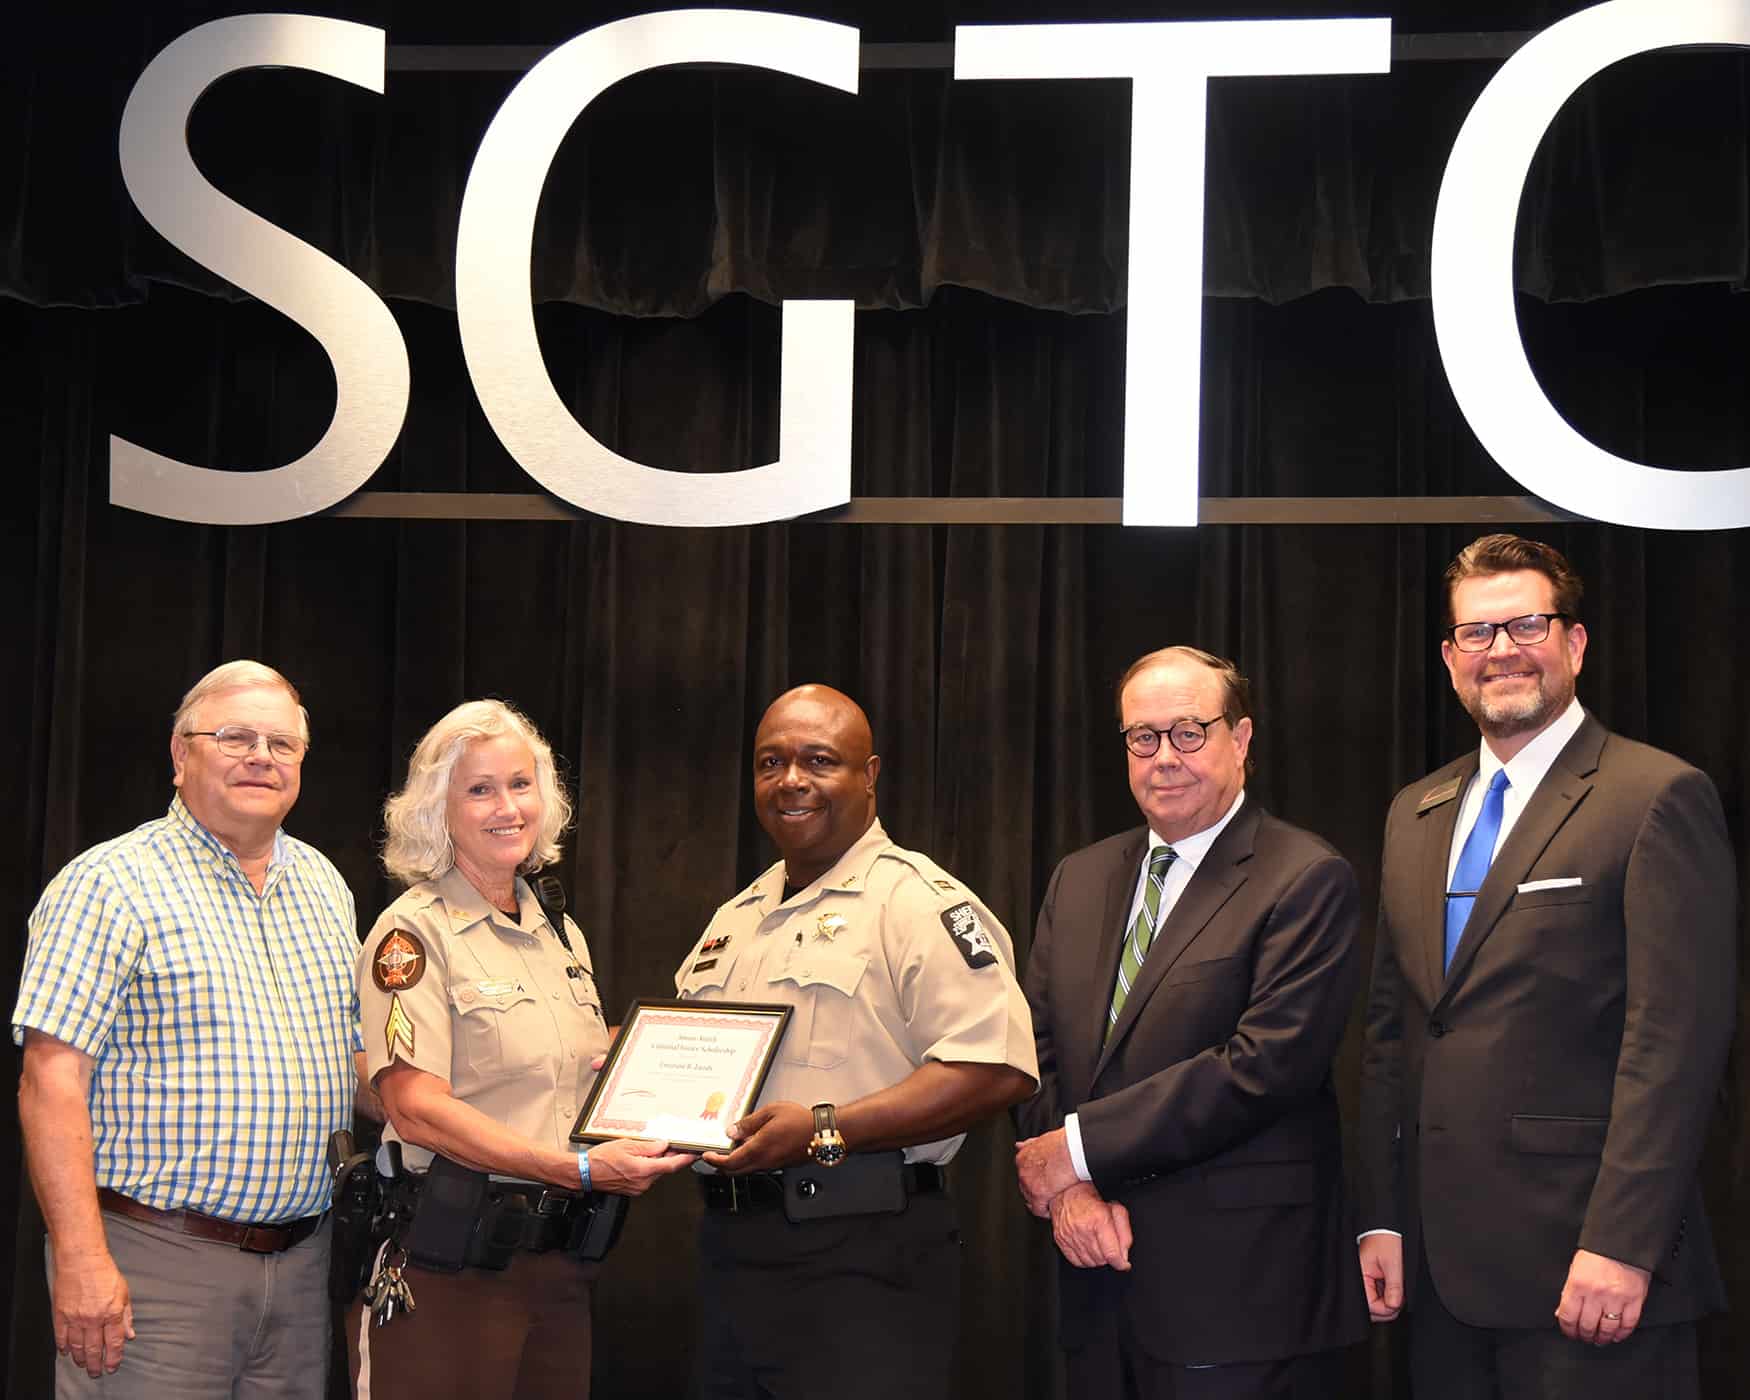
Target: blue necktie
pixel 1473 863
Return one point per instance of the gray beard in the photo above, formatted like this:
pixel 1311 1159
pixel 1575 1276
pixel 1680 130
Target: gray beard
pixel 1508 719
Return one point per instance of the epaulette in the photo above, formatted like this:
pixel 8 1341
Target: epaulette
pixel 946 887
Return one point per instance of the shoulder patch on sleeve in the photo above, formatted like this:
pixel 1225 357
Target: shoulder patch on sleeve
pixel 968 933
pixel 399 961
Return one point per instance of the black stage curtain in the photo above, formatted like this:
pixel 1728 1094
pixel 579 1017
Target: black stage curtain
pixel 985 655
pixel 676 189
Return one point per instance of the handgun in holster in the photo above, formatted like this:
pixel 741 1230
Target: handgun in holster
pixel 354 1201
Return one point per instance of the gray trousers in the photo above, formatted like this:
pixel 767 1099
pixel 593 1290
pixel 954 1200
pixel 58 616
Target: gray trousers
pixel 212 1322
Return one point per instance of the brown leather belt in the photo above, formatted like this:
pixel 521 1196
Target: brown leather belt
pixel 257 1239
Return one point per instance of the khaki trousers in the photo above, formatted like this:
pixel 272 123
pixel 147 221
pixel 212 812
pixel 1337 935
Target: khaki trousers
pixel 211 1321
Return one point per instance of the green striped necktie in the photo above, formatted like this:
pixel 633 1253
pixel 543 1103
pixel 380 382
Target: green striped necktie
pixel 1142 932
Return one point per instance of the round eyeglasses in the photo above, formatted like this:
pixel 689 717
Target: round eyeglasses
pixel 1185 735
pixel 1525 631
pixel 239 741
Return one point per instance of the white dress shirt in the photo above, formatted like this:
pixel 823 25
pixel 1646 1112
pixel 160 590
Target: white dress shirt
pixel 1525 770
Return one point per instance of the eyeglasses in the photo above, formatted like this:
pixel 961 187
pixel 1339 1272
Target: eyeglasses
pixel 1185 735
pixel 239 741
pixel 1525 631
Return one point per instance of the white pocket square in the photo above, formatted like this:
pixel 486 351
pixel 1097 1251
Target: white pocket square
pixel 1565 882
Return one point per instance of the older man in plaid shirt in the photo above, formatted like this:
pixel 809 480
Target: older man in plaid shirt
pixel 189 1026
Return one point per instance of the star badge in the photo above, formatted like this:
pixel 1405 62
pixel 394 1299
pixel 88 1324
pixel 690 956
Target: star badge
pixel 830 926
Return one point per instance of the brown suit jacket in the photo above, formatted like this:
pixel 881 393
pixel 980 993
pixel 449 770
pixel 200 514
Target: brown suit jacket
pixel 1553 1090
pixel 1209 1111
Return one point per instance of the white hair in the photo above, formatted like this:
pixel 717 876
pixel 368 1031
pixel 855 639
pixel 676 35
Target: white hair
pixel 418 845
pixel 235 675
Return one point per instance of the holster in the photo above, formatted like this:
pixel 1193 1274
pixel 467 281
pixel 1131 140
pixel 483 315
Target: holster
pixel 356 1202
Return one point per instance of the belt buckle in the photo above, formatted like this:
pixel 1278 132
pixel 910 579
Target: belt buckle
pixel 552 1203
pixel 740 1194
pixel 251 1245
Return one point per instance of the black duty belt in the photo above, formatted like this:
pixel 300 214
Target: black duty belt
pixel 456 1218
pixel 767 1190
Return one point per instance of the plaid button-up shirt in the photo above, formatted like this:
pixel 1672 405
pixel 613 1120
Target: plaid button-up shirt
pixel 221 1023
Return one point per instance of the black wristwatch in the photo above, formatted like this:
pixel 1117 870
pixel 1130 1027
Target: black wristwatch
pixel 827 1146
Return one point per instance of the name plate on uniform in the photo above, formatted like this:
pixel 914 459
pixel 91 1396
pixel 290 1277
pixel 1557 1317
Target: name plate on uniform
pixel 681 1072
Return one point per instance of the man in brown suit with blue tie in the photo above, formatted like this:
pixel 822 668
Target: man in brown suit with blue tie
pixel 1552 1002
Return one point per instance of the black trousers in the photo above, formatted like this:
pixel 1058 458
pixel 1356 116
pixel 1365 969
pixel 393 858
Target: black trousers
pixel 1114 1365
pixel 1451 1360
pixel 859 1308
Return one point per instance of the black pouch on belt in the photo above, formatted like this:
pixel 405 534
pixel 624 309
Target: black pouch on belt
pixel 597 1231
pixel 443 1227
pixel 865 1183
pixel 503 1230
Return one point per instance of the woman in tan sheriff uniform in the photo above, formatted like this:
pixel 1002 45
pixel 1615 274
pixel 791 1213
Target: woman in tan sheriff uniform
pixel 480 1026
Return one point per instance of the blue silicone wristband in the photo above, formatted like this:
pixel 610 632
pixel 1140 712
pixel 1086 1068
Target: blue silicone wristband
pixel 583 1168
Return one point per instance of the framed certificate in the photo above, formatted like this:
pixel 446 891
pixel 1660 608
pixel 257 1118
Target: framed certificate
pixel 682 1071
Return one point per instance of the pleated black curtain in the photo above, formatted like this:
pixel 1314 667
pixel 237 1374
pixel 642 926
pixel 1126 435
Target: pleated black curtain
pixel 980 227
pixel 675 189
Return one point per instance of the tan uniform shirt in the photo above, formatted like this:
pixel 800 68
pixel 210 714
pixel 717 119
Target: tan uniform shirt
pixel 889 963
pixel 452 986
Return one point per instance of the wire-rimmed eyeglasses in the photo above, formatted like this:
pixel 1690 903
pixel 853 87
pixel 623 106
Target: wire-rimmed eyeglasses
pixel 239 741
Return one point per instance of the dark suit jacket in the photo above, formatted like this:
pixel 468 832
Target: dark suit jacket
pixel 1552 1092
pixel 1209 1112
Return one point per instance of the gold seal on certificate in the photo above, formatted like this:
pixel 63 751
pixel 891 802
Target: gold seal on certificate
pixel 682 1071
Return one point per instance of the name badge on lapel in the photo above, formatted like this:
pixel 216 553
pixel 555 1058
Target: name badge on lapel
pixel 1436 795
